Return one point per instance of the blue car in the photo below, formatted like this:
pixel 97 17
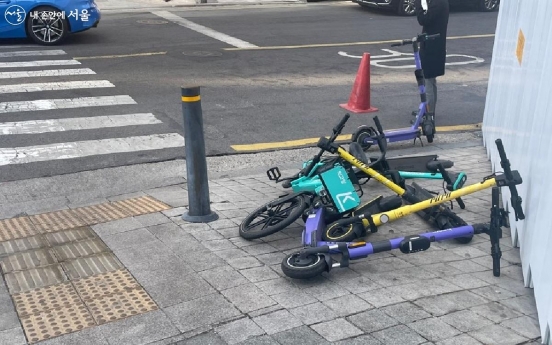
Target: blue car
pixel 47 22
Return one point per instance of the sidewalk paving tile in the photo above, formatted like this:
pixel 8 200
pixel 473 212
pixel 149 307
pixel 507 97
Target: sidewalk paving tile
pixel 497 335
pixel 433 329
pixel 466 320
pixel 13 336
pixel 462 339
pixel 277 322
pixel 248 298
pixel 399 334
pixel 238 331
pixel 301 335
pixel 337 329
pixel 204 311
pixel 524 325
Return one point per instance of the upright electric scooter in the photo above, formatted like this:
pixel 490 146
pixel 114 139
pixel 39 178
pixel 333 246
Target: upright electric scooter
pixel 364 135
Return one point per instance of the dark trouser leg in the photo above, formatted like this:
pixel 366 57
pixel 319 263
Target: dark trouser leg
pixel 431 92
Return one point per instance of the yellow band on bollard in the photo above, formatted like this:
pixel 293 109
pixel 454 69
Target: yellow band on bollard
pixel 191 98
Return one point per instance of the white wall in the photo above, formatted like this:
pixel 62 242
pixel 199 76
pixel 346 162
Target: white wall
pixel 519 111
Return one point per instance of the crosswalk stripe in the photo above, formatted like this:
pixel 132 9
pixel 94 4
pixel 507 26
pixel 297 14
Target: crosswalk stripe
pixel 80 123
pixel 46 73
pixel 79 149
pixel 54 86
pixel 50 104
pixel 32 53
pixel 38 63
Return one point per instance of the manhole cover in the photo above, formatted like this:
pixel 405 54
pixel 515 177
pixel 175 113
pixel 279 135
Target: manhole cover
pixel 152 21
pixel 202 53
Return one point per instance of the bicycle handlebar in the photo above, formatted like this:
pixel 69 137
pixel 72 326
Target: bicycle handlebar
pixel 336 131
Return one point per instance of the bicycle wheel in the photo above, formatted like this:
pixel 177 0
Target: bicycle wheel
pixel 272 217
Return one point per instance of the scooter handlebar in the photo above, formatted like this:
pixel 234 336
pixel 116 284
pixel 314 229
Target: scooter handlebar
pixel 378 124
pixel 503 159
pixel 337 129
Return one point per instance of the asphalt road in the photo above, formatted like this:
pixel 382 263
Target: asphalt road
pixel 288 87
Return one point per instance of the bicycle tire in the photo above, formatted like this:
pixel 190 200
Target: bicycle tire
pixel 298 205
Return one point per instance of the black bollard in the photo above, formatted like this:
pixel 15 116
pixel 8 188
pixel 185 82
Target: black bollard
pixel 199 204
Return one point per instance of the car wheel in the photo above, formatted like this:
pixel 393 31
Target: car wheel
pixel 488 5
pixel 406 7
pixel 47 26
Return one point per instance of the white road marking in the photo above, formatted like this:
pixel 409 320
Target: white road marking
pixel 394 56
pixel 50 104
pixel 392 53
pixel 46 73
pixel 75 124
pixel 55 86
pixel 204 30
pixel 38 63
pixel 472 59
pixel 32 53
pixel 21 155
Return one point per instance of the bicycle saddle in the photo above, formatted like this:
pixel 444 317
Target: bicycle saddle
pixel 356 150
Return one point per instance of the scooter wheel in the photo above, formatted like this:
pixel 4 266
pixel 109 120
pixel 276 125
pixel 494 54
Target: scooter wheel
pixel 311 266
pixel 362 134
pixel 429 138
pixel 347 233
pixel 428 130
pixel 272 217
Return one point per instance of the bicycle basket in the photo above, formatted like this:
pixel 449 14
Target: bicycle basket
pixel 339 188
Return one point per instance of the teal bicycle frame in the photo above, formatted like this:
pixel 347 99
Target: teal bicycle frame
pixel 310 183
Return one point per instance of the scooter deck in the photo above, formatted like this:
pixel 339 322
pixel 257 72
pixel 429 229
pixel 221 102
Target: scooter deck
pixel 440 215
pixel 415 163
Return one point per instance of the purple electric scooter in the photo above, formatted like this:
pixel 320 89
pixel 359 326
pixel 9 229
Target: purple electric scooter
pixel 315 258
pixel 364 135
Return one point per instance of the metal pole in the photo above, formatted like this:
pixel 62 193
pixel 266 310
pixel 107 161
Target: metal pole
pixel 199 204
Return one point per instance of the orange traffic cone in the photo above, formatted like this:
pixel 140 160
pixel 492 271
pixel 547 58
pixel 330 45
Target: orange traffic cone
pixel 359 101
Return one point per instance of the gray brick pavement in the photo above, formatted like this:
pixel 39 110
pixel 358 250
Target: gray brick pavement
pixel 213 287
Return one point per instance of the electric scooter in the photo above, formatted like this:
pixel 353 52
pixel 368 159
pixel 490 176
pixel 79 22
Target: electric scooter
pixel 364 135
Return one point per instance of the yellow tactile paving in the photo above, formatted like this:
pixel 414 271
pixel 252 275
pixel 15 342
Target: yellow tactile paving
pixel 62 277
pixel 105 284
pixel 100 213
pixel 71 235
pixel 91 265
pixel 22 244
pixel 16 228
pixel 45 299
pixel 75 250
pixel 21 227
pixel 55 322
pixel 120 305
pixel 55 221
pixel 28 259
pixel 22 281
pixel 141 205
